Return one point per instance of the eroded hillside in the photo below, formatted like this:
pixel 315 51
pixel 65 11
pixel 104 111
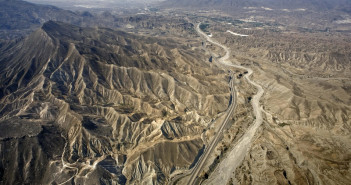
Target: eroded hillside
pixel 90 106
pixel 305 136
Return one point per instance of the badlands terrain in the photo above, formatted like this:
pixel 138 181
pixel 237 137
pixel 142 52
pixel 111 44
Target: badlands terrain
pixel 193 92
pixel 304 138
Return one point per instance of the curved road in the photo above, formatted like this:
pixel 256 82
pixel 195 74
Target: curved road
pixel 227 167
pixel 209 149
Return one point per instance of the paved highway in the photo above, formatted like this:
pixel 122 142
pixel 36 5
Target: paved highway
pixel 196 170
pixel 200 164
pixel 226 167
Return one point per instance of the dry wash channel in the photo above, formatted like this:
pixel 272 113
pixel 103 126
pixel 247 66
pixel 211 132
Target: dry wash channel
pixel 224 171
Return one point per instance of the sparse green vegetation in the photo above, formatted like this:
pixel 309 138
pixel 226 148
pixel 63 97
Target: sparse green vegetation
pixel 125 108
pixel 154 9
pixel 283 124
pixel 236 22
pixel 164 113
pixel 204 27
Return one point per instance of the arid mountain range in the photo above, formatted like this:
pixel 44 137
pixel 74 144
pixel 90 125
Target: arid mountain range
pixel 19 18
pixel 94 102
pixel 183 92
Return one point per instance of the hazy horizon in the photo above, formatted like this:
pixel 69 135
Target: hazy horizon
pixel 88 4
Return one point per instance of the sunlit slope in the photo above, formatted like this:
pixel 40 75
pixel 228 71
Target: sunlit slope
pixel 95 105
